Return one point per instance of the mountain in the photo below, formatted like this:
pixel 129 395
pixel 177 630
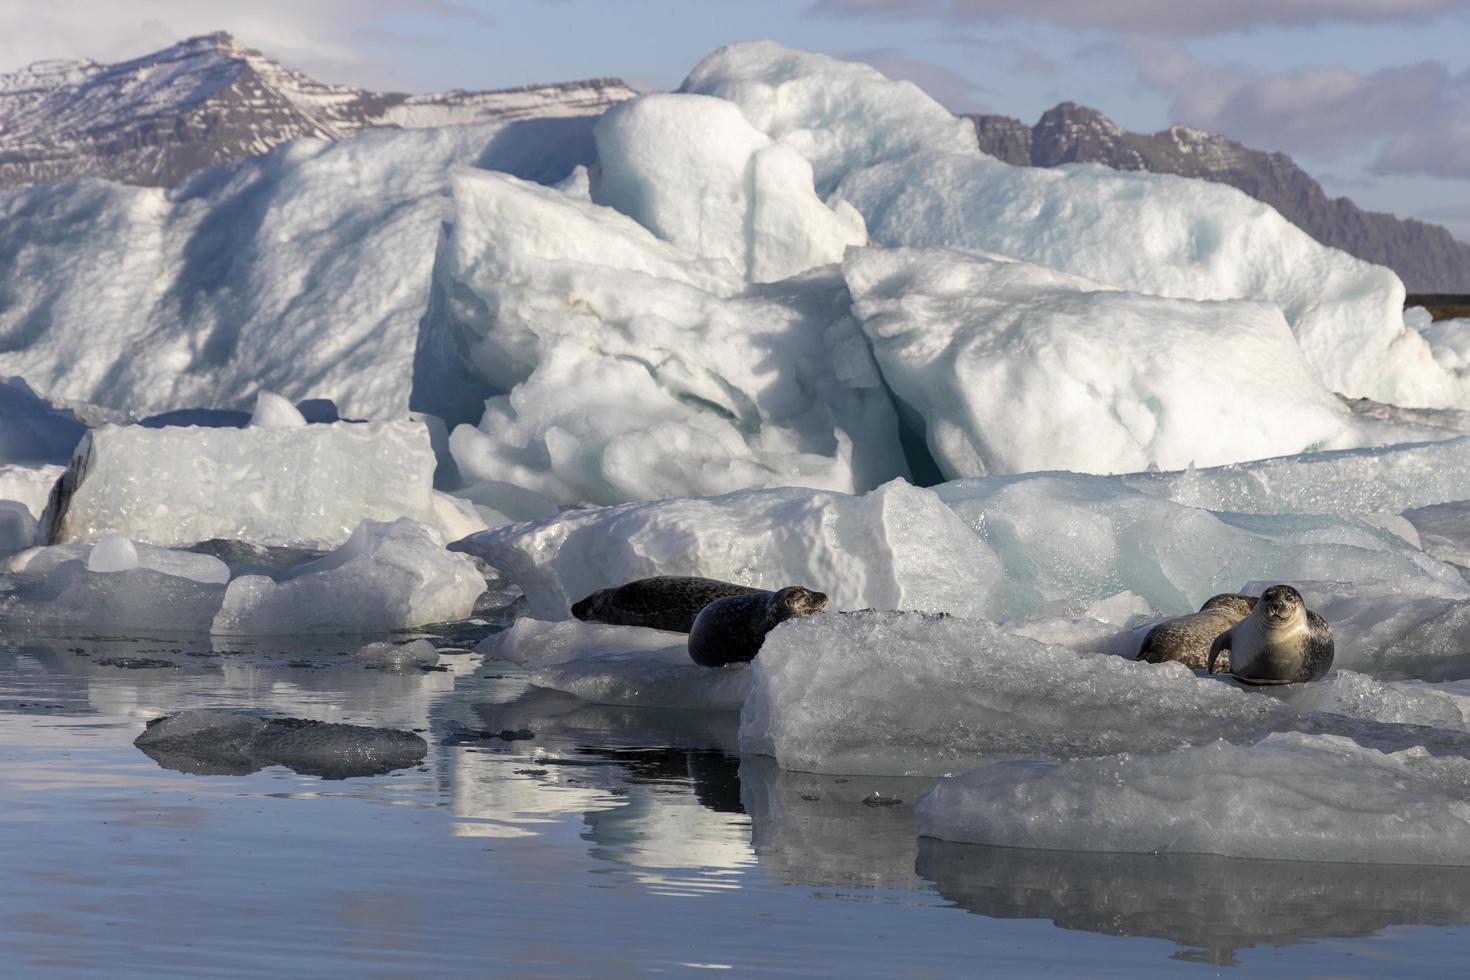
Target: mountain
pixel 1427 257
pixel 209 100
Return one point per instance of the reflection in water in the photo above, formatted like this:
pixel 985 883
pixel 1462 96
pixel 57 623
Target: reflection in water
pixel 1215 905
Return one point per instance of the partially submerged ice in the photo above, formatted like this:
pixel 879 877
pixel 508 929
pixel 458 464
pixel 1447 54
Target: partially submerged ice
pixel 1289 796
pixel 1013 367
pixel 622 665
pixel 230 743
pixel 626 369
pixel 384 577
pixel 306 485
pixel 897 547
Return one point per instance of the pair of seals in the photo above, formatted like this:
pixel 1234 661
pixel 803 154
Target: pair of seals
pixel 727 623
pixel 1280 642
pixel 1187 639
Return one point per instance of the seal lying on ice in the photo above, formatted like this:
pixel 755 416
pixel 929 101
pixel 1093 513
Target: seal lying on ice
pixel 664 602
pixel 1187 639
pixel 731 630
pixel 1280 642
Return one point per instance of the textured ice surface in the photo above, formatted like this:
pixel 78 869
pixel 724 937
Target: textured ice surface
pixel 624 369
pixel 274 412
pixel 232 743
pixel 307 486
pixel 690 169
pixel 626 665
pixel 1289 796
pixel 306 270
pixel 29 485
pixel 897 547
pixel 386 655
pixel 903 693
pixel 918 177
pixel 840 115
pixel 65 594
pixel 385 577
pixel 1067 540
pixel 1385 480
pixel 1444 530
pixel 1014 367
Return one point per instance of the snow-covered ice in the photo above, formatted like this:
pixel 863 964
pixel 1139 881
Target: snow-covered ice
pixel 898 547
pixel 1014 367
pixel 306 485
pixel 384 577
pixel 1289 796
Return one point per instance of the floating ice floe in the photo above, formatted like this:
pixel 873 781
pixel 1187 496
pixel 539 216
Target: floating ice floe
pixel 387 655
pixel 1013 368
pixel 384 577
pixel 897 547
pixel 236 744
pixel 306 485
pixel 621 665
pixel 1067 540
pixel 1289 796
pixel 629 370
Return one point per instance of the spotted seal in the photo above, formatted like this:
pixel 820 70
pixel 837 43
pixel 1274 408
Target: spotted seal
pixel 1280 642
pixel 731 630
pixel 664 602
pixel 1187 639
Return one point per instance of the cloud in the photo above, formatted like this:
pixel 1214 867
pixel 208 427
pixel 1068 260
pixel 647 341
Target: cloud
pixel 1167 17
pixel 1417 116
pixel 325 38
pixel 945 85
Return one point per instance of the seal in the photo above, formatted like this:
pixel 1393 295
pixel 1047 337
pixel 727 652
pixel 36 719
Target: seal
pixel 731 630
pixel 664 602
pixel 1280 642
pixel 1187 639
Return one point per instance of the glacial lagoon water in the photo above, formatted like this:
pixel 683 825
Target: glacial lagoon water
pixel 612 841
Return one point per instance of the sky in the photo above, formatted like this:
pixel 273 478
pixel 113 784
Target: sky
pixel 1372 97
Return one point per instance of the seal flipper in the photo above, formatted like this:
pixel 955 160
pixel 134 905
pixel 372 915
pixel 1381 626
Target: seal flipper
pixel 1221 644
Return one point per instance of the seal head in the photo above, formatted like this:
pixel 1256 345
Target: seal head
pixel 731 630
pixel 1280 642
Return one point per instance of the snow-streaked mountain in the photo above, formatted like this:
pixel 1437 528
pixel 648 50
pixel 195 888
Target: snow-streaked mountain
pixel 208 100
pixel 1427 257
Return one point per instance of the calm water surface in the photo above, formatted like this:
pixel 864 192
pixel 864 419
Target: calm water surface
pixel 615 840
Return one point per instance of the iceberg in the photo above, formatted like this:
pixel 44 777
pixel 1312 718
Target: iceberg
pixel 625 369
pixel 1014 368
pixel 898 547
pixel 384 577
pixel 1290 796
pixel 302 486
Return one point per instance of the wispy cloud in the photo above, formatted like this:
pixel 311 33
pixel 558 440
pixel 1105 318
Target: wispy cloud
pixel 945 85
pixel 1166 17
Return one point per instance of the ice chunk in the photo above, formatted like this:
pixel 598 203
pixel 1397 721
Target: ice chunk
pixel 1354 695
pixel 67 595
pixel 1444 530
pixel 236 744
pixel 840 115
pixel 112 553
pixel 1449 339
pixel 1386 480
pixel 385 655
pixel 274 412
pixel 898 547
pixel 303 486
pixel 627 370
pixel 1289 796
pixel 907 694
pixel 1067 540
pixel 17 526
pixel 690 169
pixel 307 270
pixel 385 577
pixel 29 485
pixel 627 665
pixel 1014 368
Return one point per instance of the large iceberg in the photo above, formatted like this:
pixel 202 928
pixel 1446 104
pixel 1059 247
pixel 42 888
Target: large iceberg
pixel 1014 367
pixel 626 369
pixel 897 547
pixel 307 485
pixel 1289 796
pixel 919 178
